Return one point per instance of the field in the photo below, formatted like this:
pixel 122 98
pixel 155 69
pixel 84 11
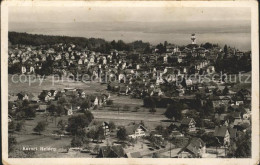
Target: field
pixel 21 83
pixel 27 138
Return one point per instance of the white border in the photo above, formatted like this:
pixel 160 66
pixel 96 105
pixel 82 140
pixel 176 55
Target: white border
pixel 64 161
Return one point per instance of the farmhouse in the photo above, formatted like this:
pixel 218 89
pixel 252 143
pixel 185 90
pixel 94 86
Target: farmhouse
pixel 133 155
pixel 115 151
pixel 96 124
pixel 24 96
pixel 136 130
pixel 196 148
pixel 224 134
pixel 188 123
pixel 41 109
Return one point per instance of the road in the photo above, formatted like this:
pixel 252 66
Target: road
pixel 128 116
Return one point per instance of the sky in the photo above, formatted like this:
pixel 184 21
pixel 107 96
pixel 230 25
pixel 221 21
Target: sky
pixel 224 25
pixel 124 14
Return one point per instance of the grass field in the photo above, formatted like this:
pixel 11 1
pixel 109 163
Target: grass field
pixel 36 86
pixel 122 117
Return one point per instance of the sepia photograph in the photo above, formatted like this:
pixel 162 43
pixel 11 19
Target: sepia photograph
pixel 130 80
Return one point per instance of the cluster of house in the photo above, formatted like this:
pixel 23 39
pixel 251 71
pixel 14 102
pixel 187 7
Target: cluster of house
pixel 139 75
pixel 64 55
pixel 48 97
pixel 193 148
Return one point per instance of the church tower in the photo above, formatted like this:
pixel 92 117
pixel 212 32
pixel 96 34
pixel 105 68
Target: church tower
pixel 193 39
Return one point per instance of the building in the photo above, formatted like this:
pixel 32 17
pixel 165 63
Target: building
pixel 196 148
pixel 193 39
pixel 133 155
pixel 23 96
pixel 96 124
pixel 136 130
pixel 42 108
pixel 10 118
pixel 224 134
pixel 189 124
pixel 115 151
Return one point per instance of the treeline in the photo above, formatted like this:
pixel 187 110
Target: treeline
pixel 94 44
pixel 233 64
pixel 38 40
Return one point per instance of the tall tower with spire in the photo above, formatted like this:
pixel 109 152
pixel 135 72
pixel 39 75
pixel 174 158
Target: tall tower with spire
pixel 193 39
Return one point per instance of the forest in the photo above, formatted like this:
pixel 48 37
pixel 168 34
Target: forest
pixel 94 44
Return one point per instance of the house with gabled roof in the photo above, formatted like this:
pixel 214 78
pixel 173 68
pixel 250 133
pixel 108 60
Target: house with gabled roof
pixel 10 118
pixel 12 98
pixel 24 96
pixel 136 130
pixel 195 148
pixel 224 134
pixel 115 151
pixel 95 124
pixel 133 155
pixel 48 95
pixel 42 108
pixel 123 90
pixel 188 123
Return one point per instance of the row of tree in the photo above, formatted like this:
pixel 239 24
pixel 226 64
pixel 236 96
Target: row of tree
pixel 94 44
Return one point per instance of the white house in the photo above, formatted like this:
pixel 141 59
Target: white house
pixel 136 131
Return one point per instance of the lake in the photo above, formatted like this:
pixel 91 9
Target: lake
pixel 236 34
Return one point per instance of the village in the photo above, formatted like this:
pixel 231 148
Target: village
pixel 139 103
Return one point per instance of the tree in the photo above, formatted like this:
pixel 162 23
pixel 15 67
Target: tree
pixel 20 115
pixel 210 139
pixel 76 142
pixel 109 102
pixel 137 108
pixel 174 111
pixel 152 110
pixel 221 109
pixel 19 126
pixel 159 129
pixel 96 149
pixel 52 109
pixel 225 49
pixel 62 101
pixel 60 110
pixel 149 102
pixel 89 116
pixel 11 126
pixel 11 143
pixel 99 134
pixel 85 104
pixel 91 134
pixel 14 68
pixel 207 45
pixel 147 49
pixel 42 95
pixel 58 95
pixel 121 134
pixel 225 91
pixel 161 48
pixel 40 127
pixel 29 112
pixel 61 125
pixel 111 126
pixel 243 144
pixel 207 108
pixel 25 103
pixel 77 123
